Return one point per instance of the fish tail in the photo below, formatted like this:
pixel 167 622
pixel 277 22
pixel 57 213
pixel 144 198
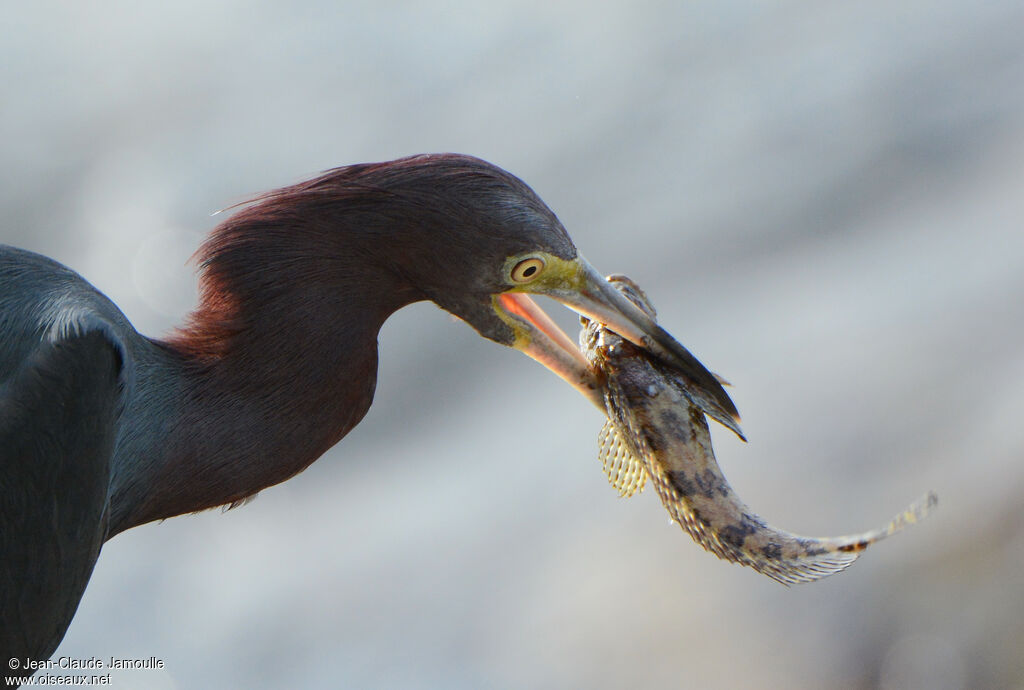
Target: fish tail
pixel 814 558
pixel 914 513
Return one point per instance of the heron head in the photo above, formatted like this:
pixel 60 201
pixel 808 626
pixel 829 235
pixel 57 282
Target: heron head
pixel 484 244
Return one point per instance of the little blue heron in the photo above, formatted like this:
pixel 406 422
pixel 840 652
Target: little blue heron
pixel 103 429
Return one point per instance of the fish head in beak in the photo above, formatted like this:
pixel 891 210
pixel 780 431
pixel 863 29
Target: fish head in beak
pixel 577 285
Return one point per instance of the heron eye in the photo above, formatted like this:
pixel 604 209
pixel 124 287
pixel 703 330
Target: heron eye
pixel 527 269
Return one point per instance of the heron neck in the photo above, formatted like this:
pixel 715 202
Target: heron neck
pixel 233 421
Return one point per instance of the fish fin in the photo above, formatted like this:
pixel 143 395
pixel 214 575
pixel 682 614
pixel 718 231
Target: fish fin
pixel 624 471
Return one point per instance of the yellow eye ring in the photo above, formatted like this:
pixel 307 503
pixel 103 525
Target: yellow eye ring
pixel 527 269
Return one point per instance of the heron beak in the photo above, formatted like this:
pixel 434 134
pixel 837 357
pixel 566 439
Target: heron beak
pixel 577 285
pixel 539 337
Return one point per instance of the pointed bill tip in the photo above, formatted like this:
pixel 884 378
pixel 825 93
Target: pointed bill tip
pixel 596 298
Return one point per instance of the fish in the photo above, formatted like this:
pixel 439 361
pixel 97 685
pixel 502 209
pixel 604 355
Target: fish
pixel 657 430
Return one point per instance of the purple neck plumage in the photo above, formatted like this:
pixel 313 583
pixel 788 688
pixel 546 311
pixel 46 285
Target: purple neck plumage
pixel 275 366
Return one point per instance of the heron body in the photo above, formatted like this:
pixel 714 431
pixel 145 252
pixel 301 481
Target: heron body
pixel 103 429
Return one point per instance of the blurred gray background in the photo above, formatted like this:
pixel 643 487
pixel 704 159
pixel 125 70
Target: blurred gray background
pixel 824 201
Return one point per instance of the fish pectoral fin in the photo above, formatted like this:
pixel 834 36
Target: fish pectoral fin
pixel 624 472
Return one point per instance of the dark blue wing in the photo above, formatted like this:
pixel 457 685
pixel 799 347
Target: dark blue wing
pixel 58 423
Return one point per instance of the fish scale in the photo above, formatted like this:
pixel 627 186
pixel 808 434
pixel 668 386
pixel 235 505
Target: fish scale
pixel 656 430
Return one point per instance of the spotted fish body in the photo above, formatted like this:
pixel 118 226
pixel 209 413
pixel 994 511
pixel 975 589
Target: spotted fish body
pixel 657 430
